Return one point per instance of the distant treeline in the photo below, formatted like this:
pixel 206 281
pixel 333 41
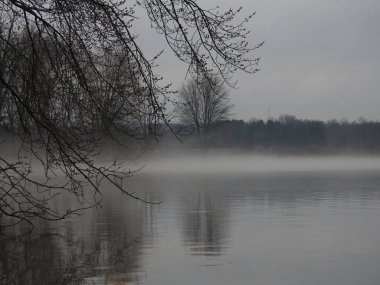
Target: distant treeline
pixel 289 134
pixel 286 134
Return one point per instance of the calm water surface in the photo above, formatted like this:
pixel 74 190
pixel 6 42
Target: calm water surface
pixel 263 228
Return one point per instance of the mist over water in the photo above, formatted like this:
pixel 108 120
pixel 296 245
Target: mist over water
pixel 224 219
pixel 248 163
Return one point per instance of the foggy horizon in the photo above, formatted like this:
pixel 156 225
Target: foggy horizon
pixel 244 163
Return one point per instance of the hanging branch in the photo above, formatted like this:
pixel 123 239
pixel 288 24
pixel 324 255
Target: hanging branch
pixel 70 70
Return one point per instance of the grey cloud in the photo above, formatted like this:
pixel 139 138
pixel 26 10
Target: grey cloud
pixel 320 60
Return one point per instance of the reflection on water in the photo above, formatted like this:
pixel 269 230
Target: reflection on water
pixel 284 228
pixel 93 249
pixel 204 223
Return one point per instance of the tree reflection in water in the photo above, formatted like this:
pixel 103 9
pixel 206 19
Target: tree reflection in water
pixel 264 226
pixel 205 217
pixel 101 247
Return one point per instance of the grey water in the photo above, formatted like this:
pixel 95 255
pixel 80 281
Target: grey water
pixel 304 226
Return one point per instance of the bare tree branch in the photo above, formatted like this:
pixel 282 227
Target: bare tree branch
pixel 72 71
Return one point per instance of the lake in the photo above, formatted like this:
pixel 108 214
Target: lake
pixel 294 227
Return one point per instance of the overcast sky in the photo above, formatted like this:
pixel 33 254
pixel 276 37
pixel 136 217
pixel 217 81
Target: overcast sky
pixel 320 59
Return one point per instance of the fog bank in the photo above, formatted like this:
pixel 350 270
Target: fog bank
pixel 240 163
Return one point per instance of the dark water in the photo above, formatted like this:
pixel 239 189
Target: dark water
pixel 269 228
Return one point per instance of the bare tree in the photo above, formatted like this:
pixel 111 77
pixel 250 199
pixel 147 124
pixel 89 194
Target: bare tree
pixel 201 103
pixel 69 66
